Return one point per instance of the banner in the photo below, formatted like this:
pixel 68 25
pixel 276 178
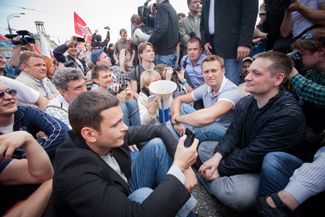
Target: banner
pixel 81 28
pixel 46 48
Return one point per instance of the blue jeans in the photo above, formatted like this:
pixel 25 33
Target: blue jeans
pixel 149 167
pixel 211 132
pixel 232 69
pixel 169 60
pixel 276 171
pixel 131 115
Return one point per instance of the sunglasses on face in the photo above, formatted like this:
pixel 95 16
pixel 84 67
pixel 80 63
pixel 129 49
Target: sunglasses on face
pixel 11 92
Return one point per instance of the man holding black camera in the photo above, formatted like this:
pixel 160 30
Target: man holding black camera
pixel 70 60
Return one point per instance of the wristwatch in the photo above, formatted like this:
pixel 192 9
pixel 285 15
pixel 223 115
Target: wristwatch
pixel 174 119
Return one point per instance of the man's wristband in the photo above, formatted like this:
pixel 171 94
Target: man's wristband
pixel 183 82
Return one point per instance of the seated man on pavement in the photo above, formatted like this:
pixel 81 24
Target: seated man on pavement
pixel 267 120
pixel 25 94
pixel 36 168
pixel 71 83
pixel 49 131
pixel 34 74
pixel 289 180
pixel 192 62
pixel 219 97
pixel 95 158
pixel 102 75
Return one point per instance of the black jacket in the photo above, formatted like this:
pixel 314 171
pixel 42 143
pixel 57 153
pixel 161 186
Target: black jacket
pixel 84 185
pixel 254 132
pixel 234 25
pixel 165 36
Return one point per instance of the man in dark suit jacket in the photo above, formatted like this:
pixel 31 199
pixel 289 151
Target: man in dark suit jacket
pixel 96 176
pixel 227 29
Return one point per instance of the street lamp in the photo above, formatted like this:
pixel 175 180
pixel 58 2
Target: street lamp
pixel 12 16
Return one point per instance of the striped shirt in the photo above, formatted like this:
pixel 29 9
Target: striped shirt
pixel 194 71
pixel 309 179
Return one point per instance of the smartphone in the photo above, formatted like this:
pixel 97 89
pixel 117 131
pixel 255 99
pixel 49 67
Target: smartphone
pixel 190 135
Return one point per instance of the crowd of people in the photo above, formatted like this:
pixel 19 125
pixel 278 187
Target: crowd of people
pixel 81 133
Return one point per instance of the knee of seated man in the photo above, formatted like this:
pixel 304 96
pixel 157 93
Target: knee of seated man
pixel 274 160
pixel 157 144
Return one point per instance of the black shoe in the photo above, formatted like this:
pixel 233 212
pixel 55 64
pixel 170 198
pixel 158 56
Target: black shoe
pixel 192 214
pixel 281 209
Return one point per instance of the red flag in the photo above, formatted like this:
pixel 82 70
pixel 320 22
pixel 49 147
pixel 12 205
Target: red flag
pixel 81 28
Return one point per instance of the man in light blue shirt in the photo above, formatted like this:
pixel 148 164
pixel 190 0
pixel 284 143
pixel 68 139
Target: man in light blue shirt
pixel 219 96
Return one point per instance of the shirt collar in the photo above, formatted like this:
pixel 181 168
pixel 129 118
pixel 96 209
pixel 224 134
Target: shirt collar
pixel 223 84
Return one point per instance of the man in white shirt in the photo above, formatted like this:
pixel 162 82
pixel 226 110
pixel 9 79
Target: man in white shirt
pixel 70 83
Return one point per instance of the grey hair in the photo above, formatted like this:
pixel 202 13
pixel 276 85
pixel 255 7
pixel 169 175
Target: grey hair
pixel 63 76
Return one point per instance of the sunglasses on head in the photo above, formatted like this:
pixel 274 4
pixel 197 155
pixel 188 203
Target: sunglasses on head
pixel 11 92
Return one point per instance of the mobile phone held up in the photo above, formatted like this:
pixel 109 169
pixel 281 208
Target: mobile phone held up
pixel 190 135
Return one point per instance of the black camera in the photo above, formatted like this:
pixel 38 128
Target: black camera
pixel 23 37
pixel 296 59
pixel 145 12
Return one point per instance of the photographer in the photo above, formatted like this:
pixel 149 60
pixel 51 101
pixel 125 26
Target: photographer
pixel 140 32
pixel 23 42
pixel 70 60
pixel 165 36
pixel 310 87
pixel 96 39
pixel 102 75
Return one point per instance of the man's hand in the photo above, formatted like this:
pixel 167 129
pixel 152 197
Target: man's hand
pixel 207 48
pixel 133 148
pixel 169 72
pixel 209 169
pixel 294 6
pixel 242 52
pixel 11 141
pixel 181 75
pixel 185 157
pixel 180 129
pixel 153 106
pixel 190 179
pixel 128 93
pixel 293 73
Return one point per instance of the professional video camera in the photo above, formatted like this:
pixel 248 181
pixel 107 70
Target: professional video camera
pixel 146 12
pixel 23 37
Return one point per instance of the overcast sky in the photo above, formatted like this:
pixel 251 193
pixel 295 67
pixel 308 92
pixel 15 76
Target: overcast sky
pixel 58 15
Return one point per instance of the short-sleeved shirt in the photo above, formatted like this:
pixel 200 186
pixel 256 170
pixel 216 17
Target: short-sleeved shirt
pixel 300 23
pixel 228 91
pixel 194 72
pixel 25 94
